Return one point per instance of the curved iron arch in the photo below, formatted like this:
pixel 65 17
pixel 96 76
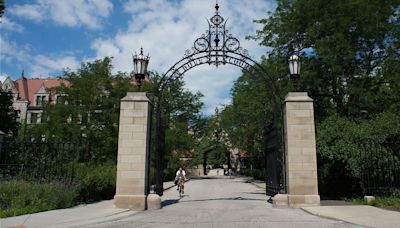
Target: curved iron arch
pixel 228 58
pixel 207 50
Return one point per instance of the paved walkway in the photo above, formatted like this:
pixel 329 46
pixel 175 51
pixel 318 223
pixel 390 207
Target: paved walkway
pixel 78 216
pixel 359 214
pixel 213 202
pixel 356 214
pixel 221 202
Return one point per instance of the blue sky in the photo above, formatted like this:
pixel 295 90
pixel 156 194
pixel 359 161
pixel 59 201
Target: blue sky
pixel 42 37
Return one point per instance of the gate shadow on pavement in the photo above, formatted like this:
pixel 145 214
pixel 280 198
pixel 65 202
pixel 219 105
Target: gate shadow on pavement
pixel 169 202
pixel 255 193
pixel 166 203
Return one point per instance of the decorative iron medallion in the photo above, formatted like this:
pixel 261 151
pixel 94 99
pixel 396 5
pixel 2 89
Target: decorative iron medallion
pixel 217 42
pixel 217 20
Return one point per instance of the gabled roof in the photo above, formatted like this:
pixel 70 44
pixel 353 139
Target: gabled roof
pixel 27 88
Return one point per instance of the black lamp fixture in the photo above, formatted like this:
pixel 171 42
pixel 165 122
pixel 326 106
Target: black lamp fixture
pixel 140 63
pixel 294 67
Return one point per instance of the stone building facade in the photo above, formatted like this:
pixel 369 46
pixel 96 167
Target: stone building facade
pixel 31 94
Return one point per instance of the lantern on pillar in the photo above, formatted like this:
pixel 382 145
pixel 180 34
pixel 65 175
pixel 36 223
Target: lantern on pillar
pixel 140 63
pixel 294 68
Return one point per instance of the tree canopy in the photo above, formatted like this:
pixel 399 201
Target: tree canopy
pixel 350 55
pixel 349 50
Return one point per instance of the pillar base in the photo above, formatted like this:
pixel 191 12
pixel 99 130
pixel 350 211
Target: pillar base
pixel 280 201
pixel 295 201
pixel 134 202
pixel 153 202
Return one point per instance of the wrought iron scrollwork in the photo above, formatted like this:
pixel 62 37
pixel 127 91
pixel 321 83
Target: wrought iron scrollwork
pixel 201 44
pixel 217 46
pixel 216 41
pixel 232 44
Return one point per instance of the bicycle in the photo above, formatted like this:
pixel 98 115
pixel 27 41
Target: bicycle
pixel 181 186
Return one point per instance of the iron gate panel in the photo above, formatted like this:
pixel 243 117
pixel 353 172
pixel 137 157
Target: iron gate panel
pixel 274 160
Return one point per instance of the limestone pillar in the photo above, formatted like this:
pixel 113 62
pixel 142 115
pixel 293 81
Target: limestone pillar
pixel 300 152
pixel 133 151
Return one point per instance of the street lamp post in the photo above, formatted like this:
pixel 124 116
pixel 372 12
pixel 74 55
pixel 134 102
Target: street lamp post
pixel 140 63
pixel 294 67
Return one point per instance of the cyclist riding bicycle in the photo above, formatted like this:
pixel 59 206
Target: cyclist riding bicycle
pixel 180 178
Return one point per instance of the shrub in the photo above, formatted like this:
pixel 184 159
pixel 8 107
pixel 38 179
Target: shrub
pixel 258 174
pixel 22 197
pixel 340 155
pixel 95 182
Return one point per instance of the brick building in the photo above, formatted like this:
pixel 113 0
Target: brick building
pixel 31 94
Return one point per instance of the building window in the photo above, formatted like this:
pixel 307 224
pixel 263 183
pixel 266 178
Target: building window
pixel 40 100
pixel 58 99
pixel 34 118
pixel 43 118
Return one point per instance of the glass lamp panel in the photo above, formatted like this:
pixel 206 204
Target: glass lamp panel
pixel 291 66
pixel 298 67
pixel 295 64
pixel 135 67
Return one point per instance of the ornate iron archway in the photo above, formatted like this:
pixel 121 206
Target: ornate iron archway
pixel 219 47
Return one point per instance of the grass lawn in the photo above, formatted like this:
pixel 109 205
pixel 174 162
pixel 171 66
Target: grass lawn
pixel 386 202
pixel 19 197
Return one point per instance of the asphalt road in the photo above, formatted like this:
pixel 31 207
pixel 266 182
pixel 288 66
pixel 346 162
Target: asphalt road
pixel 221 202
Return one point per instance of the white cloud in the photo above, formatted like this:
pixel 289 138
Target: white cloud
pixel 10 51
pixel 165 29
pixel 27 11
pixel 8 24
pixel 45 65
pixel 34 65
pixel 70 13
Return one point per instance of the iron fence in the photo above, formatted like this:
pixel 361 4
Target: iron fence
pixel 379 165
pixel 40 161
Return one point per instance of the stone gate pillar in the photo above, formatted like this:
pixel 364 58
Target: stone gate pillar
pixel 133 151
pixel 300 153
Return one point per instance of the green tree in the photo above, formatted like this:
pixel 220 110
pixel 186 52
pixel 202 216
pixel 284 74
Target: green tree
pixel 2 8
pixel 347 49
pixel 350 67
pixel 180 110
pixel 88 111
pixel 254 105
pixel 8 115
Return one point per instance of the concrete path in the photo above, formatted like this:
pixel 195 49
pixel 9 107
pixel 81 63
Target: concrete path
pixel 359 214
pixel 78 216
pixel 213 202
pixel 221 202
pixel 356 214
pixel 72 217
